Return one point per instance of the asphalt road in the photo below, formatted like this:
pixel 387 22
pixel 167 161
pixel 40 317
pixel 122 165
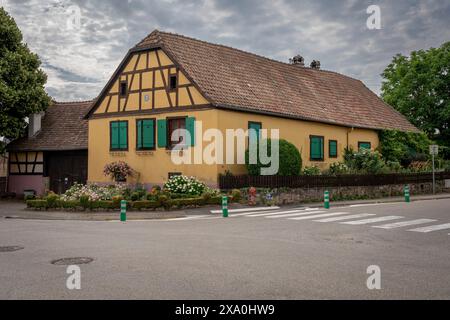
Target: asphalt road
pixel 240 257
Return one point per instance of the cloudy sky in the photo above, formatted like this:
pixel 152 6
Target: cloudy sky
pixel 80 58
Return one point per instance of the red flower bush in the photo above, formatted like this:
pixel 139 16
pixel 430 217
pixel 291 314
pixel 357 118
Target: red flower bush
pixel 118 170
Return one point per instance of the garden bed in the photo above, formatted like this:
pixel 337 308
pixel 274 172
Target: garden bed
pixel 110 205
pixel 178 193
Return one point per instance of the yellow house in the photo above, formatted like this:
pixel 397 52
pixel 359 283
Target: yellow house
pixel 168 82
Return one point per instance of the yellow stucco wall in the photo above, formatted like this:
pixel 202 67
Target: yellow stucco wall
pixel 153 166
pixel 298 132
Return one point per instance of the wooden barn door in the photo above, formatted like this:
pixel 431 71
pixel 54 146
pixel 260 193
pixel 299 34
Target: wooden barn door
pixel 66 168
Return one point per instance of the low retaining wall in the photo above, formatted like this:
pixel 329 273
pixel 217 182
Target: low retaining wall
pixel 282 196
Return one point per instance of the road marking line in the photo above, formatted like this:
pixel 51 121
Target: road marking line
pixel 279 212
pixel 188 218
pixel 319 216
pixel 370 204
pixel 243 214
pixel 293 214
pixel 247 209
pixel 373 220
pixel 353 216
pixel 403 223
pixel 432 228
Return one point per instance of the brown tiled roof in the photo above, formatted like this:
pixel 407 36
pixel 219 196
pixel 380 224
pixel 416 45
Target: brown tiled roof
pixel 63 128
pixel 234 79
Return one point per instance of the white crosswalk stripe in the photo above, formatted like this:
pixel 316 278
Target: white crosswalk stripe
pixel 188 218
pixel 372 220
pixel 404 223
pixel 303 213
pixel 353 216
pixel 280 213
pixel 432 228
pixel 319 216
pixel 247 209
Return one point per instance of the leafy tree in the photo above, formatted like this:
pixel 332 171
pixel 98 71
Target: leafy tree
pixel 290 160
pixel 21 80
pixel 418 86
pixel 404 147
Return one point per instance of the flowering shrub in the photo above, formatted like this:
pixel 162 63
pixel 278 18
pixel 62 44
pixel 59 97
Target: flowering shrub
pixel 365 161
pixel 185 185
pixel 338 168
pixel 93 192
pixel 311 171
pixel 118 170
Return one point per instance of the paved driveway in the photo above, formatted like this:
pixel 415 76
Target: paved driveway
pixel 306 254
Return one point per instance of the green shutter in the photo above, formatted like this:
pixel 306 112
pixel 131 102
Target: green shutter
pixel 123 134
pixel 114 135
pixel 255 133
pixel 364 145
pixel 316 148
pixel 139 134
pixel 148 138
pixel 190 127
pixel 333 148
pixel 162 133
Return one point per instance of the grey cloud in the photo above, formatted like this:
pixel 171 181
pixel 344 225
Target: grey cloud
pixel 80 62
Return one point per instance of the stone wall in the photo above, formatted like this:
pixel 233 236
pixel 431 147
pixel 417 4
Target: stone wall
pixel 303 195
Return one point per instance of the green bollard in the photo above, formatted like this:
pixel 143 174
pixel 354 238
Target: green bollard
pixel 326 198
pixel 123 210
pixel 224 206
pixel 406 191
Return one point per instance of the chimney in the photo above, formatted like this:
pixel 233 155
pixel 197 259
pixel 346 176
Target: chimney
pixel 315 64
pixel 34 123
pixel 298 60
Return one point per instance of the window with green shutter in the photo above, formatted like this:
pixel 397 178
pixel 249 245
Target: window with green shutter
pixel 145 134
pixel 364 145
pixel 332 149
pixel 254 131
pixel 190 127
pixel 118 135
pixel 162 133
pixel 316 148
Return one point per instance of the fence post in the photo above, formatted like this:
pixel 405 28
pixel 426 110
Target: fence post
pixel 123 210
pixel 224 206
pixel 326 198
pixel 406 191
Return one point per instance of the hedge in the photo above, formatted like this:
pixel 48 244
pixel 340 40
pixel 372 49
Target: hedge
pixel 135 205
pixel 145 204
pixel 37 204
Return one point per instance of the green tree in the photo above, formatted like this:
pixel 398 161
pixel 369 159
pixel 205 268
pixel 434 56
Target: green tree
pixel 404 147
pixel 418 86
pixel 290 160
pixel 21 80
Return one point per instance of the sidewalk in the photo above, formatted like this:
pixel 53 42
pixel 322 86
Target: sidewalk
pixel 17 210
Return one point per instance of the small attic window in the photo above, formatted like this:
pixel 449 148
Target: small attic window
pixel 173 82
pixel 123 88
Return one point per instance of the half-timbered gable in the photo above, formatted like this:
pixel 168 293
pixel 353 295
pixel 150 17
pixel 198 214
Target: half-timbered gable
pixel 147 81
